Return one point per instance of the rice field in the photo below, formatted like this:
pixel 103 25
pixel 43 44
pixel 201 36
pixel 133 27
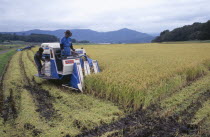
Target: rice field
pixel 137 75
pixel 143 90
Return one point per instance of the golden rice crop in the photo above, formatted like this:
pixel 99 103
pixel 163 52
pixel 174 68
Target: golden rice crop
pixel 133 75
pixel 139 74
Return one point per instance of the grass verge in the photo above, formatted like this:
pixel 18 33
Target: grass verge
pixel 4 58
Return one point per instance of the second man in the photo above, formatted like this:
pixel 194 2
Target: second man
pixel 66 44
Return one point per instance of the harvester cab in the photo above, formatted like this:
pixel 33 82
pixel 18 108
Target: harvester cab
pixel 70 69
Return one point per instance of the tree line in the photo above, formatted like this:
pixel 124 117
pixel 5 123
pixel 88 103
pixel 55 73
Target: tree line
pixel 196 31
pixel 7 37
pixel 77 41
pixel 28 38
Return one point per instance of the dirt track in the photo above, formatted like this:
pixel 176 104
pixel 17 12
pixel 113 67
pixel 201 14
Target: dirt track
pixel 144 123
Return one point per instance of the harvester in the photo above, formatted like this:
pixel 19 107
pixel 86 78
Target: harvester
pixel 71 69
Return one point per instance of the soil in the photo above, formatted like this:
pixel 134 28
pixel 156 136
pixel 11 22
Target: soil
pixel 194 107
pixel 9 111
pixel 35 131
pixel 143 123
pixel 43 102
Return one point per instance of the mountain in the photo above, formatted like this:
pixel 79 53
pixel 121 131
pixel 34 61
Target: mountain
pixel 120 36
pixel 154 34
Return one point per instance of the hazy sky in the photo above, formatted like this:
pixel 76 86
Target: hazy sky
pixel 150 16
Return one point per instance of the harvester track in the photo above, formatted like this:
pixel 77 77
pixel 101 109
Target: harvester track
pixel 42 98
pixel 7 106
pixel 195 106
pixel 9 111
pixel 1 86
pixel 171 125
pixel 140 120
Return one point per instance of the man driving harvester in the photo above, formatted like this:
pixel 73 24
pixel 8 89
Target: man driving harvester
pixel 66 44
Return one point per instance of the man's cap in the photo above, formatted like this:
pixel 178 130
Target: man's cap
pixel 68 32
pixel 41 49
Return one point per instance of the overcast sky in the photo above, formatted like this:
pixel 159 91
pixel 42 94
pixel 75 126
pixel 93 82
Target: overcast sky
pixel 150 16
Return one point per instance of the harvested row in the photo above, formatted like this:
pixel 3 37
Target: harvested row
pixel 182 99
pixel 44 109
pixel 75 112
pixel 22 102
pixel 11 89
pixel 29 121
pixel 202 118
pixel 43 99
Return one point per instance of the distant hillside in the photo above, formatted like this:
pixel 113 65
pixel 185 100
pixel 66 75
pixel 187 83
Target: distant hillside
pixel 119 36
pixel 196 31
pixel 28 38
